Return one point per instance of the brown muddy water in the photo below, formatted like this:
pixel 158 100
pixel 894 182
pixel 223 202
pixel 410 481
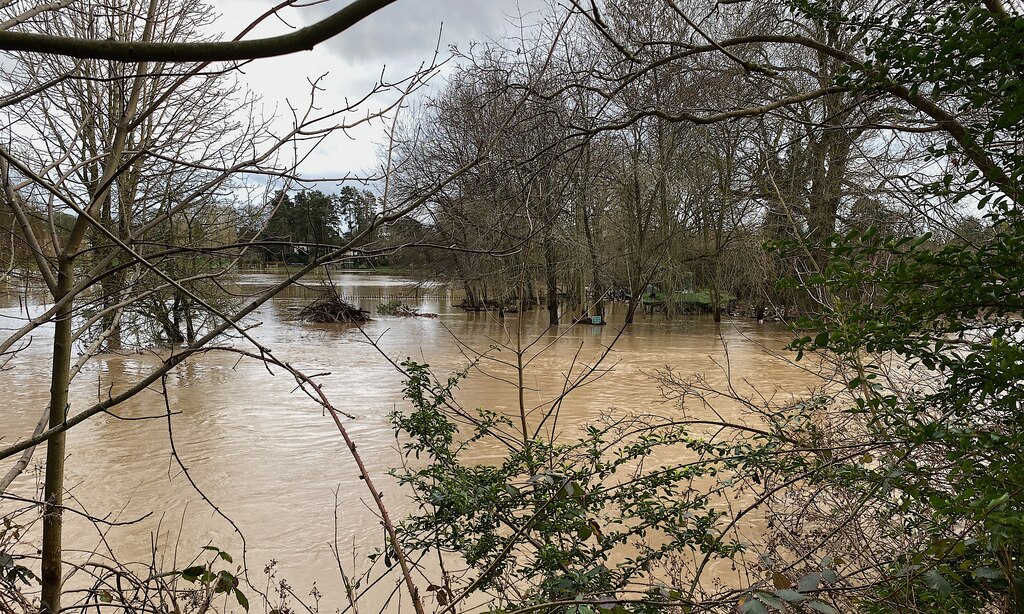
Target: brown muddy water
pixel 269 459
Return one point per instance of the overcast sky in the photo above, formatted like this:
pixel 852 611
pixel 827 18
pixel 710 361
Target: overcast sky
pixel 400 37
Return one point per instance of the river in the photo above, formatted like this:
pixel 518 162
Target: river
pixel 269 459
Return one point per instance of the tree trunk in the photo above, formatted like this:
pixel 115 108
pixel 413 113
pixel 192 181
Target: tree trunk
pixel 634 302
pixel 53 489
pixel 595 271
pixel 552 280
pixel 111 286
pixel 716 302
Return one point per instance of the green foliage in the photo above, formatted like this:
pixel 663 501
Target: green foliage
pixel 957 51
pixel 542 524
pixel 803 593
pixel 947 442
pixel 358 209
pixel 961 56
pixel 954 467
pixel 302 226
pixel 310 223
pixel 12 572
pixel 395 307
pixel 390 307
pixel 216 582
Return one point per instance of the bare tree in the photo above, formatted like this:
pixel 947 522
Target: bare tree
pixel 122 179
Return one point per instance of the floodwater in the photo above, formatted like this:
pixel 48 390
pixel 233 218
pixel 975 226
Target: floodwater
pixel 269 459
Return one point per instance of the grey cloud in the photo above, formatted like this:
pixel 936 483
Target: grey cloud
pixel 407 30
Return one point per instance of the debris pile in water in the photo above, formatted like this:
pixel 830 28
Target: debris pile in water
pixel 330 309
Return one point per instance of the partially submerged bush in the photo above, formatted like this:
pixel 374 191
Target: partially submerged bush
pixel 396 307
